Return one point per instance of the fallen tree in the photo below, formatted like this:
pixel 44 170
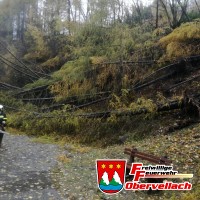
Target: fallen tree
pixel 105 114
pixel 154 81
pixel 192 104
pixel 168 72
pixel 160 108
pixel 183 82
pixel 32 90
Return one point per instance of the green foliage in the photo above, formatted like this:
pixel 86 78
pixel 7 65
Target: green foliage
pixel 71 79
pixel 72 71
pixel 38 49
pixel 15 120
pixel 194 14
pixel 115 42
pixel 182 42
pixel 119 102
pixel 162 31
pixel 60 124
pixel 95 45
pixel 39 82
pixel 16 110
pixel 124 103
pixel 143 103
pixel 6 99
pixel 51 63
pixel 95 60
pixel 34 125
pixel 88 37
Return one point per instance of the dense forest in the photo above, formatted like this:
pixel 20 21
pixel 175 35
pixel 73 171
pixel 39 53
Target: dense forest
pixel 100 72
pixel 96 59
pixel 48 35
pixel 77 58
pixel 95 56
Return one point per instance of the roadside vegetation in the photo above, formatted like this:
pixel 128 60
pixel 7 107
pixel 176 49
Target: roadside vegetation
pixel 104 75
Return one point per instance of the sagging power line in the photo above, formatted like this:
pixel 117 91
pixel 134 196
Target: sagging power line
pixel 23 66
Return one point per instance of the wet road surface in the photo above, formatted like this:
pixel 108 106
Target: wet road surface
pixel 26 169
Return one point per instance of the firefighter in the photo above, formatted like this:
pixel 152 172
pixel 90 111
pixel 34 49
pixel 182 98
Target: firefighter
pixel 2 122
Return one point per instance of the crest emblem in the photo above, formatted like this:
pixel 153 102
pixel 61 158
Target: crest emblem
pixel 111 175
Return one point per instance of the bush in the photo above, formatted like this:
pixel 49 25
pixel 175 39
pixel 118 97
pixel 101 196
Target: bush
pixel 182 42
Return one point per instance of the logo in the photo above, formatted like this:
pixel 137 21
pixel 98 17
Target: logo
pixel 156 172
pixel 111 175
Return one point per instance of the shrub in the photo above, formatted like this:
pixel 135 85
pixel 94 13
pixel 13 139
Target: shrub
pixel 182 42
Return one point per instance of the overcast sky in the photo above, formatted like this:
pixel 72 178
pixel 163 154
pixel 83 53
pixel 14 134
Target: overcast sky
pixel 129 2
pixel 145 2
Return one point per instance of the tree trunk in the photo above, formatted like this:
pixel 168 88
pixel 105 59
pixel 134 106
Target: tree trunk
pixel 69 15
pixel 167 13
pixel 157 5
pixel 197 6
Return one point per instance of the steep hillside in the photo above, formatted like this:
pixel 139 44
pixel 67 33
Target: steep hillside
pixel 91 98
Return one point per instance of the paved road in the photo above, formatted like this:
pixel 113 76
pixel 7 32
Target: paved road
pixel 27 169
pixel 30 170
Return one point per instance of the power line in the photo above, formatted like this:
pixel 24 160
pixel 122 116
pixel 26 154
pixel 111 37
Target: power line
pixel 30 76
pixel 19 60
pixel 21 66
pixel 21 110
pixel 10 86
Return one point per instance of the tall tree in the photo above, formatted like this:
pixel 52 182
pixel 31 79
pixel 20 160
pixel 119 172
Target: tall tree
pixel 175 11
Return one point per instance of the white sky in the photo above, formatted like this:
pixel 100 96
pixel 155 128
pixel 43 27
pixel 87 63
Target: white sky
pixel 130 2
pixel 145 2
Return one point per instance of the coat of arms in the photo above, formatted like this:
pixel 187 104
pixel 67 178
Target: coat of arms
pixel 111 175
